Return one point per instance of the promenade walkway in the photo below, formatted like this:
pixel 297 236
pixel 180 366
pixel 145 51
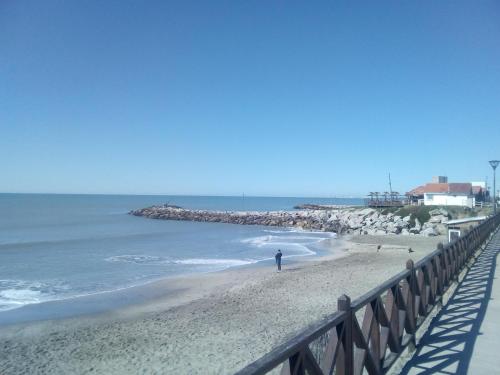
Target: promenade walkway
pixel 464 338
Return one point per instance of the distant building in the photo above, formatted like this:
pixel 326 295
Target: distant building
pixel 442 194
pixel 453 194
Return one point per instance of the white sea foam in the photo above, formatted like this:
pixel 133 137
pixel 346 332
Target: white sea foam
pixel 299 230
pixel 17 293
pixel 217 262
pixel 157 260
pixel 301 250
pixel 19 296
pixel 279 231
pixel 296 241
pixel 139 259
pixel 290 239
pixel 257 241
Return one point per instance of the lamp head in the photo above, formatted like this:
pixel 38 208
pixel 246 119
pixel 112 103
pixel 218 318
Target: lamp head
pixel 494 163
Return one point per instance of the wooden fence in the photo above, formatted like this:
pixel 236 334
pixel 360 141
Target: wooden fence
pixel 369 334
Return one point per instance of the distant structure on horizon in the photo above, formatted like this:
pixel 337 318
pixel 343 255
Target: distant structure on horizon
pixel 441 193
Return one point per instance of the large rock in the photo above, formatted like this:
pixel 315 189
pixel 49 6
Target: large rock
pixel 401 223
pixel 428 225
pixel 333 217
pixel 392 228
pixel 354 223
pixel 322 216
pixel 366 212
pixel 441 229
pixel 417 223
pixel 429 232
pixel 438 219
pixel 417 228
pixel 434 212
pixel 444 212
pixel 438 211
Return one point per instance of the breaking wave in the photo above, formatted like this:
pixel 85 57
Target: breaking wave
pixel 17 293
pixel 157 260
pixel 294 242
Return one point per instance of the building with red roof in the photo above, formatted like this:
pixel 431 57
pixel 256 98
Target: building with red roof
pixel 441 193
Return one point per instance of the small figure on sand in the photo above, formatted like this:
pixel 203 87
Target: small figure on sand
pixel 278 259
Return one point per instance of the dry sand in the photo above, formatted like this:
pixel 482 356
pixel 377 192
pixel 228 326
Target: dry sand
pixel 209 324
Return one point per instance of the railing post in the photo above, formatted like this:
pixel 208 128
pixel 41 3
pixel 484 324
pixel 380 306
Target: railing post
pixel 410 304
pixel 473 237
pixel 344 305
pixel 295 366
pixel 440 269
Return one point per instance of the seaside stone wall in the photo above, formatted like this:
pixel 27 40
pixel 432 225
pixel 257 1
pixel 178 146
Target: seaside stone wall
pixel 338 220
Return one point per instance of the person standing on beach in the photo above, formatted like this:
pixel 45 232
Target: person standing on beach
pixel 278 259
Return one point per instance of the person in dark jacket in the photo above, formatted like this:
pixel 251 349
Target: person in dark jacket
pixel 278 259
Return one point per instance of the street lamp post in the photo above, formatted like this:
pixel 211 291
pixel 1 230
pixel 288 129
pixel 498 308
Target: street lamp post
pixel 494 164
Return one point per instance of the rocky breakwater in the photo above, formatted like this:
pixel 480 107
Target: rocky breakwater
pixel 338 220
pixel 305 219
pixel 372 222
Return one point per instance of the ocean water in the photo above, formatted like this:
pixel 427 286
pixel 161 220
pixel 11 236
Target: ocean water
pixel 65 247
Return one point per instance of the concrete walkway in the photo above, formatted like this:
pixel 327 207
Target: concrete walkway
pixel 464 338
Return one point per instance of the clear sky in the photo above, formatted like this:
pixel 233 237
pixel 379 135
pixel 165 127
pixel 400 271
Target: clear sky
pixel 281 97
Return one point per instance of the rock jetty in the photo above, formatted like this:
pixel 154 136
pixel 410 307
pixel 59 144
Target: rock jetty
pixel 338 220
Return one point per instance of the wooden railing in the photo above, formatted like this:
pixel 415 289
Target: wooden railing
pixel 369 334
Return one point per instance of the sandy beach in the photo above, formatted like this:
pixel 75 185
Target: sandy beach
pixel 209 324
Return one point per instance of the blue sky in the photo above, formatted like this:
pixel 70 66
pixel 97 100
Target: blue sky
pixel 262 97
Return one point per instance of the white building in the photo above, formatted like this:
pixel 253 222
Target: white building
pixel 444 194
pixel 444 199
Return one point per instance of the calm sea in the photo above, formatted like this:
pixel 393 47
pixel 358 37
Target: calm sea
pixel 66 247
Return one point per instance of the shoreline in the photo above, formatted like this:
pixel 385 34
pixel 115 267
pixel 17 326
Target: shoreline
pixel 205 323
pixel 126 297
pixel 141 293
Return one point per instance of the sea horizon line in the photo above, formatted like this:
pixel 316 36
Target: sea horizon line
pixel 340 196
